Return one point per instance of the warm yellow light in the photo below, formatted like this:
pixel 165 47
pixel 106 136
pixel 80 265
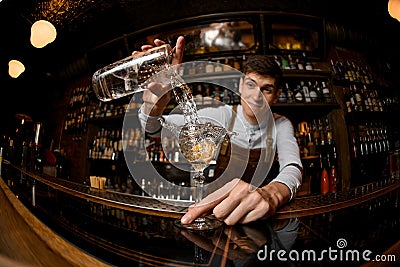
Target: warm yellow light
pixel 394 9
pixel 15 68
pixel 42 33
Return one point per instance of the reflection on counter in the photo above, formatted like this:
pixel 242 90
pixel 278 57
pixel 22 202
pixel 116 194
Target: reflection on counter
pixel 128 230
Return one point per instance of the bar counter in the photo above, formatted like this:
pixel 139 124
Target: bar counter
pixel 82 226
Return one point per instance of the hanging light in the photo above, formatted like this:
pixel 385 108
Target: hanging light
pixel 42 33
pixel 15 68
pixel 394 9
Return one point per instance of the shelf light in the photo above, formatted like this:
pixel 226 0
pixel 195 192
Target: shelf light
pixel 42 33
pixel 15 68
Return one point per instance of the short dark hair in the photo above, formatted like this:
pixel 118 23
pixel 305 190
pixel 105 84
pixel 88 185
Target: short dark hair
pixel 262 65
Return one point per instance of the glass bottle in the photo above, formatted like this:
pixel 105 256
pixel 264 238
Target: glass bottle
pixel 333 179
pixel 324 179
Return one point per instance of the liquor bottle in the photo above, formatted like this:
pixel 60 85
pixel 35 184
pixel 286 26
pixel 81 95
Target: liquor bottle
pixel 192 69
pixel 306 91
pixel 227 97
pixel 354 146
pixel 331 148
pixel 209 66
pixel 298 94
pixel 292 63
pixel 320 94
pixel 316 136
pixel 349 100
pixel 308 64
pixel 283 96
pixel 198 94
pixel 278 62
pixel 200 67
pixel 227 66
pixel 235 94
pixel 349 71
pixel 218 67
pixel 289 94
pixel 300 64
pixel 326 92
pixel 358 98
pixel 333 179
pixel 236 63
pixel 216 95
pixel 334 69
pixel 285 63
pixel 324 178
pixel 207 98
pixel 312 148
pixel 313 92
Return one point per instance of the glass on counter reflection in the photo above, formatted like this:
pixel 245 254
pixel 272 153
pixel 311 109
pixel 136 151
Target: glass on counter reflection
pixel 242 245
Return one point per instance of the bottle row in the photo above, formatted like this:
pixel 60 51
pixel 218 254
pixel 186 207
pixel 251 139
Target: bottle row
pixel 306 91
pixel 117 178
pixel 319 154
pixel 351 72
pixel 107 144
pixel 363 99
pixel 116 181
pixel 104 110
pixel 208 94
pixel 76 121
pixel 79 97
pixel 371 138
pixel 223 65
pixel 315 139
pixel 289 62
pixel 285 62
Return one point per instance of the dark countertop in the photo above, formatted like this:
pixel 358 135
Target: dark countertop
pixel 140 232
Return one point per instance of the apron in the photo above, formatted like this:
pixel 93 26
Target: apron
pixel 239 162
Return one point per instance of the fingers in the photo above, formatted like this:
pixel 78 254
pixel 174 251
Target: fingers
pixel 136 53
pixel 179 49
pixel 146 47
pixel 194 212
pixel 158 42
pixel 243 206
pixel 178 55
pixel 209 202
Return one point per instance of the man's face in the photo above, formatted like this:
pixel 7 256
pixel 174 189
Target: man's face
pixel 256 91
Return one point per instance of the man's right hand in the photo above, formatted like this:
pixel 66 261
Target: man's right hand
pixel 158 96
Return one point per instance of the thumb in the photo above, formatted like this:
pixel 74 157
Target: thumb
pixel 178 55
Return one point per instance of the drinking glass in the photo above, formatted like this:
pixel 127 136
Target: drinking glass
pixel 199 144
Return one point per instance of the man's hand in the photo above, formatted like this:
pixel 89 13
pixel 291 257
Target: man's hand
pixel 236 203
pixel 157 97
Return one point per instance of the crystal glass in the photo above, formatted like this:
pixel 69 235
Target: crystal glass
pixel 199 144
pixel 129 75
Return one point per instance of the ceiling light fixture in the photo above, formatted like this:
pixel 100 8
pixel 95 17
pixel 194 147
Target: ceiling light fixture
pixel 15 68
pixel 394 9
pixel 42 33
